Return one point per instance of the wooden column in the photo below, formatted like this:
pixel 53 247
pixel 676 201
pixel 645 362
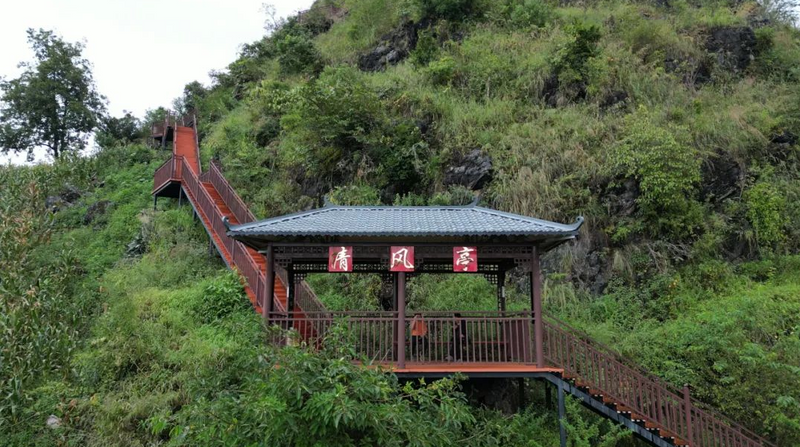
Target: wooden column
pixel 290 294
pixel 562 416
pixel 687 401
pixel 269 286
pixel 536 307
pixel 501 290
pixel 401 320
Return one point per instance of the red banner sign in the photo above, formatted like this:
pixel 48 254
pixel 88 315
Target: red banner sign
pixel 340 259
pixel 401 259
pixel 465 259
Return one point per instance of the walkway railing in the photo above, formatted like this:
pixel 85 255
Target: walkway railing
pixel 241 257
pixel 305 298
pixel 229 195
pixel 430 337
pixel 170 170
pixel 599 368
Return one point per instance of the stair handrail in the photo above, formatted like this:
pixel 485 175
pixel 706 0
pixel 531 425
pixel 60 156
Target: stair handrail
pixel 196 141
pixel 673 394
pixel 231 197
pixel 308 299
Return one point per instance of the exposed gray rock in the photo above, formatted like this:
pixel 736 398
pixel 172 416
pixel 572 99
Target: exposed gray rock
pixel 137 246
pixel 53 421
pixel 735 46
pixel 96 210
pixel 66 198
pixel 619 197
pixel 71 194
pixel 53 203
pixel 617 98
pixel 393 48
pixel 473 170
pixel 721 177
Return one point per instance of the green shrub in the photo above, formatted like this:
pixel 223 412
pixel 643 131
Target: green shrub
pixel 426 50
pixel 221 297
pixel 666 169
pixel 441 71
pixel 455 10
pixel 355 195
pixel 571 61
pixel 528 13
pixel 766 212
pixel 297 54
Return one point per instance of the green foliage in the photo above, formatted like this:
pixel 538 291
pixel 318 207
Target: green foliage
pixel 448 292
pixel 297 54
pixel 455 10
pixel 355 195
pixel 530 13
pixel 609 110
pixel 572 62
pixel 54 103
pixel 426 50
pixel 666 170
pixel 347 291
pixel 119 131
pixel 441 71
pixel 766 211
pixel 333 119
pixel 221 297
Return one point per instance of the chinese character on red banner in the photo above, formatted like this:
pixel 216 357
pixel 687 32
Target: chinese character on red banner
pixel 402 259
pixel 340 259
pixel 465 259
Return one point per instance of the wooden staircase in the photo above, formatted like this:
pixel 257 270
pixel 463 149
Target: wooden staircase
pixel 605 382
pixel 214 200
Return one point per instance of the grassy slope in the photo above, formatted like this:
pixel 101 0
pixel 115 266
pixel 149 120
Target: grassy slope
pixel 697 283
pixel 174 354
pixel 164 364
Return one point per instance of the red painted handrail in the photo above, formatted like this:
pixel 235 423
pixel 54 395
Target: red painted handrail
pixel 599 368
pixel 234 202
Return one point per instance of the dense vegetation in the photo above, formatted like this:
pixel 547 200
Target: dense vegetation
pixel 671 126
pixel 153 342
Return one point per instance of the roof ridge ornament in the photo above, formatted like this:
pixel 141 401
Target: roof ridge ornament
pixel 475 201
pixel 326 201
pixel 226 222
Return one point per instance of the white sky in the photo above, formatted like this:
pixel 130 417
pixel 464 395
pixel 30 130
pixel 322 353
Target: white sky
pixel 143 51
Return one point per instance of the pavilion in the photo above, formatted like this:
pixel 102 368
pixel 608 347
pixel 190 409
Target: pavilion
pixel 400 241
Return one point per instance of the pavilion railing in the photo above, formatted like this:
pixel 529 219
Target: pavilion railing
pixel 471 337
pixel 371 335
pixel 599 368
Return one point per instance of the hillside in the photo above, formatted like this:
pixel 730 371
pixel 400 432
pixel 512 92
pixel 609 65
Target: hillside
pixel 672 127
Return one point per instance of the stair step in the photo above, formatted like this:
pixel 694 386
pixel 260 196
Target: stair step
pixel 651 425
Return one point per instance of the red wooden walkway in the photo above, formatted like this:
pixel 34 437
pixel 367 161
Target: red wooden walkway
pixel 605 381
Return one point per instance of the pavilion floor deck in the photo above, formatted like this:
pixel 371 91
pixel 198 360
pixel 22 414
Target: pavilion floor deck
pixel 470 369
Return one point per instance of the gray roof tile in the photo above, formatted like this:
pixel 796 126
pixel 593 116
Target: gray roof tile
pixel 379 221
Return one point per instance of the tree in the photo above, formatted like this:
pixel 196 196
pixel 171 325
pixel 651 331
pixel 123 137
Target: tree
pixel 123 130
pixel 54 103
